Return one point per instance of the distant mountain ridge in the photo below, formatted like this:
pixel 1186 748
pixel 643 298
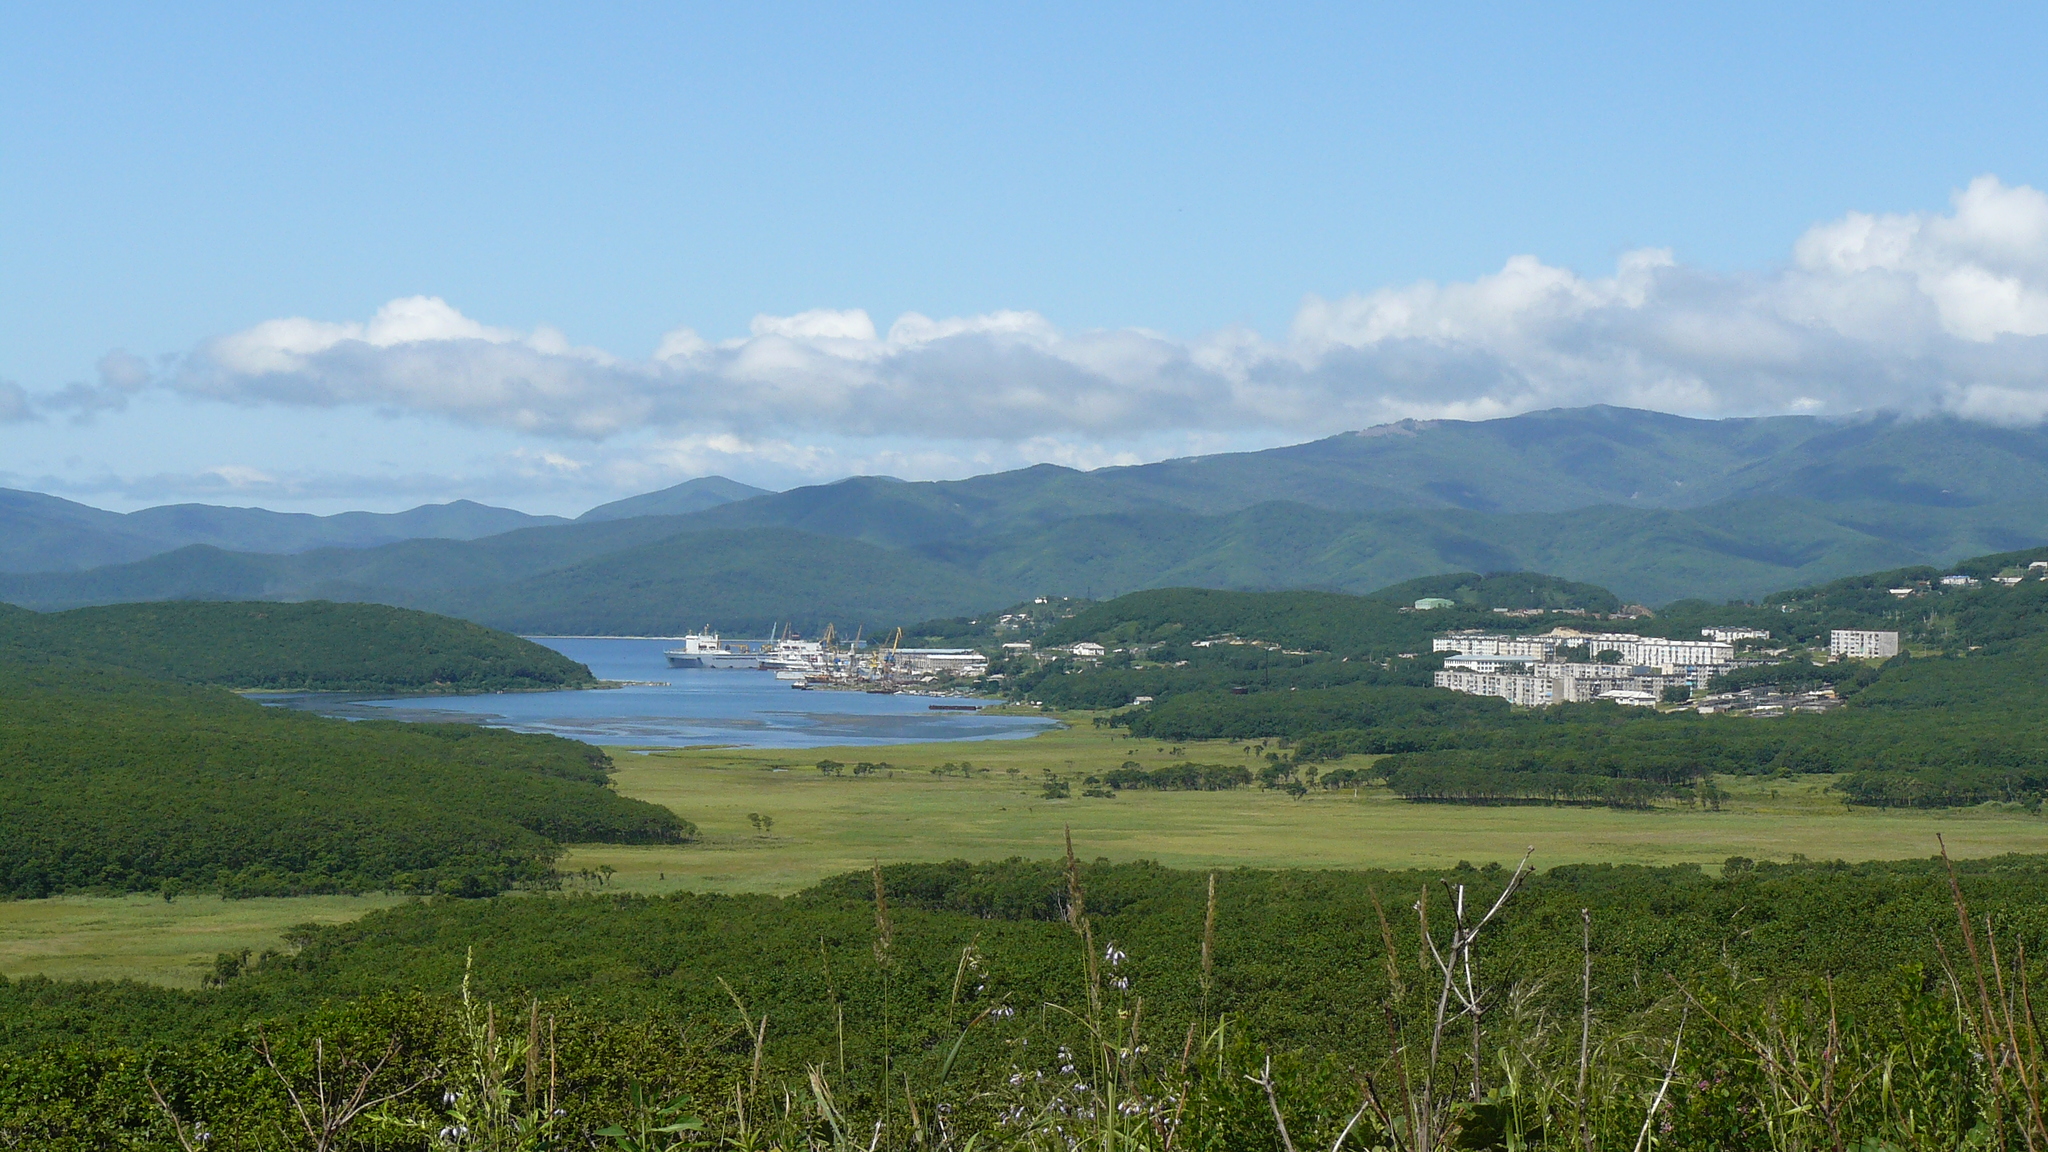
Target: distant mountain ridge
pixel 1655 507
pixel 40 533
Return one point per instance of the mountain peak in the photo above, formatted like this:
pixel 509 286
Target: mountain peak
pixel 677 500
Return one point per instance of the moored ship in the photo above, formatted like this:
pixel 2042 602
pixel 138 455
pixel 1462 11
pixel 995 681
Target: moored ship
pixel 706 650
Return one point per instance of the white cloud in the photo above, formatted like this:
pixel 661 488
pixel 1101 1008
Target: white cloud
pixel 1914 311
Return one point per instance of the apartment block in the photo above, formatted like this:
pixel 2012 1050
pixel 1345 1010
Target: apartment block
pixel 1557 645
pixel 1855 644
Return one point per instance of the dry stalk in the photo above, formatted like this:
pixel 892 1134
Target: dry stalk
pixel 1398 1051
pixel 1209 947
pixel 1987 1029
pixel 1077 918
pixel 1677 1040
pixel 2016 1053
pixel 532 1051
pixel 1457 964
pixel 1585 1024
pixel 1265 1080
pixel 171 1114
pixel 329 1113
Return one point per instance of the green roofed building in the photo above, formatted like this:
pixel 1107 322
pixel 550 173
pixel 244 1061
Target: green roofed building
pixel 1429 602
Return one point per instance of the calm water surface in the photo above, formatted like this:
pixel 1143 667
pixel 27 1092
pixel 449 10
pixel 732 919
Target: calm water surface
pixel 687 706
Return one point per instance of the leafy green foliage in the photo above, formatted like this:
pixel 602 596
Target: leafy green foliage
pixel 639 1002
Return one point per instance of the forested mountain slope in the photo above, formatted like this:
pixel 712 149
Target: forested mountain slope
pixel 1654 507
pixel 642 576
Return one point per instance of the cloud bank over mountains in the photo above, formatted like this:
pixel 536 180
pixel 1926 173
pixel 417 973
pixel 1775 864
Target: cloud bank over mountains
pixel 1913 311
pixel 1940 311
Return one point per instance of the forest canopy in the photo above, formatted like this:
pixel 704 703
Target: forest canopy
pixel 316 646
pixel 112 782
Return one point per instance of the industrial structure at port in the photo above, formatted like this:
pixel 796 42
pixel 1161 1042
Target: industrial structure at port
pixel 823 664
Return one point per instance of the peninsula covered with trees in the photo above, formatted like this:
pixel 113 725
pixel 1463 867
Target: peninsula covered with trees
pixel 113 779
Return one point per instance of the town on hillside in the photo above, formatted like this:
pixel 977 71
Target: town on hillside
pixel 1568 665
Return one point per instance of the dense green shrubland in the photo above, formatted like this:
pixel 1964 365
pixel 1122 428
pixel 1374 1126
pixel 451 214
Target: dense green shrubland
pixel 113 782
pixel 1808 1006
pixel 314 647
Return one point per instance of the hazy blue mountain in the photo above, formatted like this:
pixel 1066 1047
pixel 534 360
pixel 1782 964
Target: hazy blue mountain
pixel 1555 461
pixel 1654 507
pixel 618 583
pixel 260 530
pixel 40 533
pixel 732 580
pixel 406 573
pixel 652 574
pixel 689 496
pixel 1731 550
pixel 44 533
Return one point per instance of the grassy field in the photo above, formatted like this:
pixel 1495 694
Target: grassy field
pixel 143 938
pixel 827 825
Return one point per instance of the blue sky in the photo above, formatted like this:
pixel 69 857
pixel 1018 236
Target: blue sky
pixel 614 248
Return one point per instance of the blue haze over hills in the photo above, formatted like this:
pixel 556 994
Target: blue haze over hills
pixel 1655 507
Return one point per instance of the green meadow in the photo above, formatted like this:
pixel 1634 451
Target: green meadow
pixel 825 825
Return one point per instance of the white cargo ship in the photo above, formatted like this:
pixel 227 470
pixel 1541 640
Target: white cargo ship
pixel 706 650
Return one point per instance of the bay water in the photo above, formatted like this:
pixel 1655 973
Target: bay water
pixel 663 707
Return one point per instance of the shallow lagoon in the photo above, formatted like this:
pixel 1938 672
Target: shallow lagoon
pixel 677 707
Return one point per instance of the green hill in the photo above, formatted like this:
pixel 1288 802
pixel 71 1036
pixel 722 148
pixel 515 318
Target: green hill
pixel 316 646
pixel 113 782
pixel 125 766
pixel 1327 622
pixel 1508 590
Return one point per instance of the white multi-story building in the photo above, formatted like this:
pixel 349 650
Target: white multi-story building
pixel 1546 684
pixel 1854 644
pixel 1731 635
pixel 1510 647
pixel 1658 652
pixel 1515 688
